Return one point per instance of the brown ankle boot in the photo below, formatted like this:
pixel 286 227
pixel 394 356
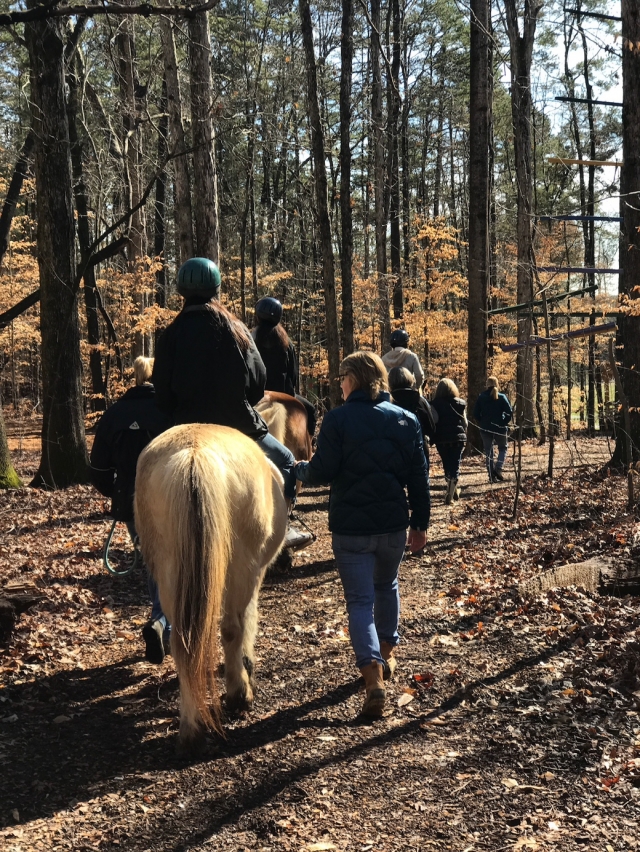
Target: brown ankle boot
pixel 376 693
pixel 390 661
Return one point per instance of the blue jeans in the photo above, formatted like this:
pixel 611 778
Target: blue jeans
pixel 368 567
pixel 451 455
pixel 488 440
pixel 156 610
pixel 283 460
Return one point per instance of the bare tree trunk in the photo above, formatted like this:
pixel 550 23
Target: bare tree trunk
pixel 205 202
pixel 98 400
pixel 394 163
pixel 479 183
pixel 13 193
pixel 324 223
pixel 346 260
pixel 64 454
pixel 378 178
pixel 406 169
pixel 160 206
pixel 629 324
pixel 8 477
pixel 177 142
pixel 437 178
pixel 129 88
pixel 521 54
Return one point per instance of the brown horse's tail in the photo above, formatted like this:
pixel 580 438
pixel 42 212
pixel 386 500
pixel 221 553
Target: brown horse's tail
pixel 202 549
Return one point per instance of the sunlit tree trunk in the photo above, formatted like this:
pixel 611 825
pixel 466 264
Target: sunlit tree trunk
pixel 8 477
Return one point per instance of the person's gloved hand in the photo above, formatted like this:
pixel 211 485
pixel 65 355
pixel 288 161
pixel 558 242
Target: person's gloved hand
pixel 416 540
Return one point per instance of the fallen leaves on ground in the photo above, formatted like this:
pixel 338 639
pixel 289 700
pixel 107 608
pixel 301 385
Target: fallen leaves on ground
pixel 513 720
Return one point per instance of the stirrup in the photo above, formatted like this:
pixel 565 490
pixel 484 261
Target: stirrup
pixel 296 539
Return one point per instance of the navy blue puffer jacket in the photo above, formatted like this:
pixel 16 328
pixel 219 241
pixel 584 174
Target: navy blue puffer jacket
pixel 369 451
pixel 493 415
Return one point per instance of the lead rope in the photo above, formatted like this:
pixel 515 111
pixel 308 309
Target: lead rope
pixel 105 556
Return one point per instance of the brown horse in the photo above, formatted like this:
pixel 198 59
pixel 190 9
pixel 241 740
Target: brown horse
pixel 286 418
pixel 211 516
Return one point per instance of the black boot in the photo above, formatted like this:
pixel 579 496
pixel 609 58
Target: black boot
pixel 153 635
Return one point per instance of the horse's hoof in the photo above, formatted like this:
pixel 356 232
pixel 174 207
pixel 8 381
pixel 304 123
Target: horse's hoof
pixel 191 745
pixel 283 561
pixel 238 703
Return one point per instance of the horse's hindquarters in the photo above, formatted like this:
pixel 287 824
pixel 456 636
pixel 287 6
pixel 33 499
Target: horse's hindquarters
pixel 211 515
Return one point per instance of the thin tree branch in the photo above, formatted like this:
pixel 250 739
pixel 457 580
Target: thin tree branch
pixel 71 10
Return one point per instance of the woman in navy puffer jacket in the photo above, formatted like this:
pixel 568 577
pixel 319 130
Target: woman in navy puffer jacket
pixel 370 450
pixel 493 414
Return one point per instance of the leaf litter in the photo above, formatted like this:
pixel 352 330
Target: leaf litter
pixel 513 723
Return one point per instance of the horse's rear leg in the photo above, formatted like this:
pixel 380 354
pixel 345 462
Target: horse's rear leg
pixel 250 629
pixel 236 673
pixel 191 738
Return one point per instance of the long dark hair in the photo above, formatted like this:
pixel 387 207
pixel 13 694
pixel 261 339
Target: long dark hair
pixel 224 317
pixel 269 336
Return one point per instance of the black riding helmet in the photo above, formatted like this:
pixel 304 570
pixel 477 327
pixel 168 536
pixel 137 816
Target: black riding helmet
pixel 399 337
pixel 199 277
pixel 269 310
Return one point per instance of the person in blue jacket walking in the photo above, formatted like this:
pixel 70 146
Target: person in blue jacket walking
pixel 493 414
pixel 369 451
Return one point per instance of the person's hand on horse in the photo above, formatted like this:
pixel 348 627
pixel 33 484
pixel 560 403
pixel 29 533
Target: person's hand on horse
pixel 416 541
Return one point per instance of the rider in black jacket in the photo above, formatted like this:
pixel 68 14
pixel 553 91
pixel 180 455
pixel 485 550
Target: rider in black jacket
pixel 123 432
pixel 208 370
pixel 278 355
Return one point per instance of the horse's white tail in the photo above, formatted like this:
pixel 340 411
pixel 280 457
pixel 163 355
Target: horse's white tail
pixel 210 515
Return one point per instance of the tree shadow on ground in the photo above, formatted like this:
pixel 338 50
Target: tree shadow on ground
pixel 108 737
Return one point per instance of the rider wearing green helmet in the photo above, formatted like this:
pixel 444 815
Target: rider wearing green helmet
pixel 199 277
pixel 208 369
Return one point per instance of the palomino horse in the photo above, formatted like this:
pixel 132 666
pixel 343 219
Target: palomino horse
pixel 211 516
pixel 286 418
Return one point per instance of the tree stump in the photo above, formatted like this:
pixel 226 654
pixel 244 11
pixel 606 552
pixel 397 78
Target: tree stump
pixel 16 598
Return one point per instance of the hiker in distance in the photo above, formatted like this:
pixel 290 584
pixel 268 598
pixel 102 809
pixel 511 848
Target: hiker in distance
pixel 493 414
pixel 401 356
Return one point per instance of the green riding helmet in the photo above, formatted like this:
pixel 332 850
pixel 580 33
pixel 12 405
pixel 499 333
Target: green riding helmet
pixel 199 277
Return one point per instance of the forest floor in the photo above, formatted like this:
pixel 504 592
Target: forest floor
pixel 513 721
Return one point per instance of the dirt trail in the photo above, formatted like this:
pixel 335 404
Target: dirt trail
pixel 512 724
